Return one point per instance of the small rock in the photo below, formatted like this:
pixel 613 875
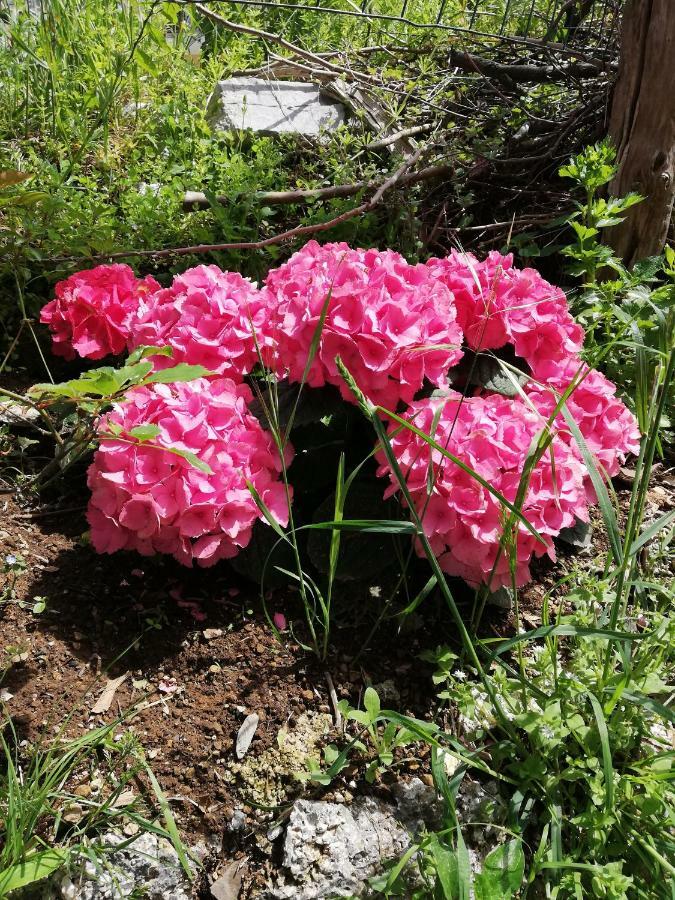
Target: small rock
pixel 246 734
pixel 418 805
pixel 503 598
pixel 331 850
pixel 580 535
pixel 211 634
pixel 238 820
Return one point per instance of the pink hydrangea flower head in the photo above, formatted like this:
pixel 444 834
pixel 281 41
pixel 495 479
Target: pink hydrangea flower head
pixel 498 304
pixel 393 324
pixel 209 317
pixel 91 312
pixel 147 497
pixel 463 520
pixel 605 422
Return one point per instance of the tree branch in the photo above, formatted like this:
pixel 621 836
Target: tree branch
pixel 299 231
pixel 510 74
pixel 196 200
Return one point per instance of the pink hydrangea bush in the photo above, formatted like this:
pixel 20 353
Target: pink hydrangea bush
pixel 462 519
pixel 498 304
pixel 399 328
pixel 393 324
pixel 92 310
pixel 211 318
pixel 147 498
pixel 606 424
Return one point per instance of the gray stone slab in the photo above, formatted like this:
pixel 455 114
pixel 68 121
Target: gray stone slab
pixel 272 107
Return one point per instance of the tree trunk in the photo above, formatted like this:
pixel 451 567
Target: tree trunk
pixel 642 126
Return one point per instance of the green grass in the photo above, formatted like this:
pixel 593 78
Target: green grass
pixel 46 826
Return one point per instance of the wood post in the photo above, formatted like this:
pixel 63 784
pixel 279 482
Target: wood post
pixel 642 126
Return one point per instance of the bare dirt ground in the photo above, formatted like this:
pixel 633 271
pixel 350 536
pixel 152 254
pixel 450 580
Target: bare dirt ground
pixel 200 655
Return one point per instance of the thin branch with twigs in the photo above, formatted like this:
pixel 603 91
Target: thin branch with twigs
pixel 299 231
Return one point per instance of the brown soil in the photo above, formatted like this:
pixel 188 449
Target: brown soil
pixel 106 616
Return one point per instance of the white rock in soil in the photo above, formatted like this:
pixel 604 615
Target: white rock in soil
pixel 272 107
pixel 330 850
pixel 148 867
pixel 16 414
pixel 418 805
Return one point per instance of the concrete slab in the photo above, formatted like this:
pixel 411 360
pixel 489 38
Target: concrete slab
pixel 272 107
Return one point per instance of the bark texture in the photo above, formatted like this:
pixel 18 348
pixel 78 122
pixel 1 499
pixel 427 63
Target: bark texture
pixel 642 125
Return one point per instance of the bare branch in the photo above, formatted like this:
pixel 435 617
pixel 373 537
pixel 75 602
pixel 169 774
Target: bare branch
pixel 398 177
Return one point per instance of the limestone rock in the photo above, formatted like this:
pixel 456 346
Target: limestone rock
pixel 330 850
pixel 148 867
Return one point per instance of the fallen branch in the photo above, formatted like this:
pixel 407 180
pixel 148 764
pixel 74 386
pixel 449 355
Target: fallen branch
pixel 196 200
pixel 237 27
pixel 511 74
pixel 298 231
pixel 404 133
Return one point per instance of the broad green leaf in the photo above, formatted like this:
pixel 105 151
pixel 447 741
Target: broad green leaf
pixel 145 432
pixel 34 868
pixel 445 861
pixel 502 872
pixel 181 372
pixel 371 701
pixel 192 458
pixel 143 352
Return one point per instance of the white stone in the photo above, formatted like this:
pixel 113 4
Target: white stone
pixel 330 850
pixel 272 107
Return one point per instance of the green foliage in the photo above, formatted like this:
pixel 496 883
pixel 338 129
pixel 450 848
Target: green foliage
pixel 46 826
pixel 70 409
pixel 629 316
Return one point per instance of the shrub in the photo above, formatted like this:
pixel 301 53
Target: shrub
pixel 392 324
pixel 173 471
pixel 195 503
pixel 92 310
pixel 210 318
pixel 463 520
pixel 498 304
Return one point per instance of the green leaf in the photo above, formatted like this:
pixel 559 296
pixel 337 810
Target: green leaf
pixel 181 372
pixel 265 547
pixel 34 868
pixel 367 528
pixel 646 536
pixel 502 372
pixel 145 432
pixel 607 765
pixel 606 508
pixel 652 706
pixel 371 701
pixel 296 406
pixel 143 352
pixel 190 457
pixel 545 631
pixel 146 62
pixel 502 872
pixel 445 861
pixel 169 822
